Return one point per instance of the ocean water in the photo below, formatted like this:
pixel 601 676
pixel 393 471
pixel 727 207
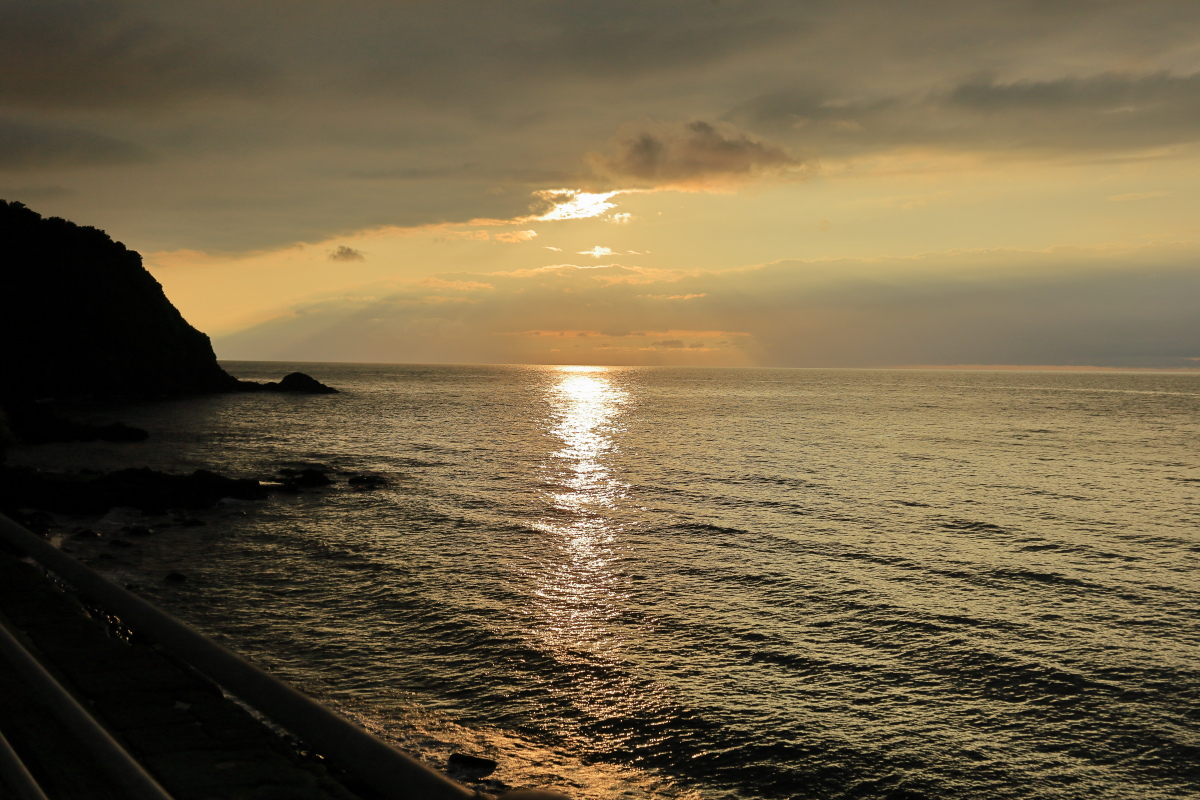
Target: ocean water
pixel 711 583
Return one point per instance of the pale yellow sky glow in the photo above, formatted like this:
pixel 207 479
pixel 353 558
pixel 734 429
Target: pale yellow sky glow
pixel 838 186
pixel 1038 214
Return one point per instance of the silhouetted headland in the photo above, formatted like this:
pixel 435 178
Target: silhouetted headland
pixel 81 316
pixel 82 319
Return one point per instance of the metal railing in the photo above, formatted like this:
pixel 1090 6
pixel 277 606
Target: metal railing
pixel 125 772
pixel 16 776
pixel 388 772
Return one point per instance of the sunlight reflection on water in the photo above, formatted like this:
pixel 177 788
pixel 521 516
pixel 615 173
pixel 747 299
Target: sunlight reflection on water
pixel 576 592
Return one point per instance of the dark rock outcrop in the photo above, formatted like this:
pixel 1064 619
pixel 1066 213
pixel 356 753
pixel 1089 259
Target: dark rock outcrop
pixel 143 489
pixel 296 479
pixel 366 482
pixel 471 766
pixel 296 382
pixel 80 316
pixel 33 423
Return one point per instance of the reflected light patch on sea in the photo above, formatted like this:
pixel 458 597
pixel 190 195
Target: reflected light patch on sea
pixel 578 592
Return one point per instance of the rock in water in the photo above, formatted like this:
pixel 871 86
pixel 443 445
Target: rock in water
pixel 474 766
pixel 143 489
pixel 296 382
pixel 366 482
pixel 304 478
pixel 299 382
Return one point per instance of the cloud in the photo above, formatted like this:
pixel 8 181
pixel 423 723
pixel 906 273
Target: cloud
pixel 1102 111
pixel 629 37
pixel 604 274
pixel 539 43
pixel 344 253
pixel 269 128
pixel 512 237
pixel 596 252
pixel 1107 92
pixel 74 53
pixel 450 235
pixel 1111 307
pixel 35 147
pixel 692 155
pixel 34 192
pixel 1125 198
pixel 447 232
pixel 457 285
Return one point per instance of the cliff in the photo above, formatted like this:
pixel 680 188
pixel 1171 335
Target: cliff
pixel 80 316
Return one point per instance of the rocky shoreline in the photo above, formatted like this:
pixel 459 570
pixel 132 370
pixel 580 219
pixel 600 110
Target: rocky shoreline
pixel 27 493
pixel 82 320
pixel 30 495
pixel 29 421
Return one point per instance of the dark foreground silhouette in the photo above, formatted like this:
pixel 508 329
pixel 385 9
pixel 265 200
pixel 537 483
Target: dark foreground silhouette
pixel 80 317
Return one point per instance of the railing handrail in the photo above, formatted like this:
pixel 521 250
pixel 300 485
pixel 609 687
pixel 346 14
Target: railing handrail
pixel 123 769
pixel 20 782
pixel 392 774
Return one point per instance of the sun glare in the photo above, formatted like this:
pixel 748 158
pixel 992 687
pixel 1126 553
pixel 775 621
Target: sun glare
pixel 574 204
pixel 580 368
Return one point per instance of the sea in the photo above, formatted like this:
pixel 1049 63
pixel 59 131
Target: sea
pixel 706 584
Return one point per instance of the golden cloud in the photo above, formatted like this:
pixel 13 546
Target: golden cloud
pixel 512 237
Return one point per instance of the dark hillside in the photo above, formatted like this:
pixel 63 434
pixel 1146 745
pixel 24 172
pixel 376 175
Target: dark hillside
pixel 80 316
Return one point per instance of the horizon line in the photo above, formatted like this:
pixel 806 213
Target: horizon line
pixel 899 367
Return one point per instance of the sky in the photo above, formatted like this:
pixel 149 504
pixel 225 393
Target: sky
pixel 810 183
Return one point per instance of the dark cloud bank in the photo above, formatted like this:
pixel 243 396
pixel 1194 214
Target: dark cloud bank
pixel 27 148
pixel 58 54
pixel 244 126
pixel 1107 111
